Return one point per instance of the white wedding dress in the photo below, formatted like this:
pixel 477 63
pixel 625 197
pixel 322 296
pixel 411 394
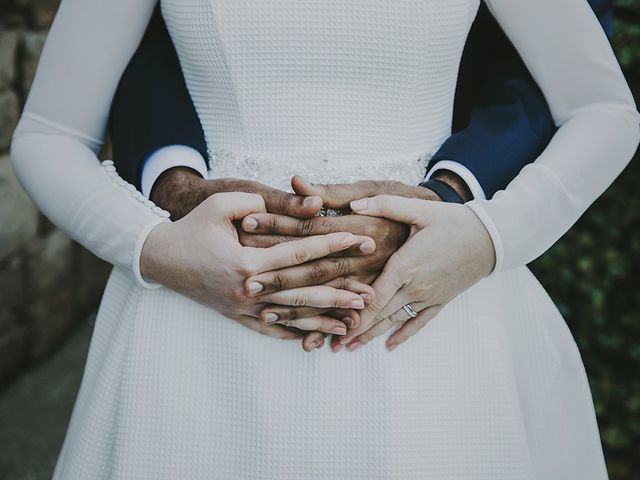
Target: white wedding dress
pixel 336 90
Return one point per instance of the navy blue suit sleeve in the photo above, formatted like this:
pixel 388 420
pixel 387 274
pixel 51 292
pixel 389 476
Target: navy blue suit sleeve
pixel 152 107
pixel 501 119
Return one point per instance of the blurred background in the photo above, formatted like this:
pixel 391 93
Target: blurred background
pixel 50 287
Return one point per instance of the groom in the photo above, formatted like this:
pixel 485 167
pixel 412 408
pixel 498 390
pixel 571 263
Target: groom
pixel 501 123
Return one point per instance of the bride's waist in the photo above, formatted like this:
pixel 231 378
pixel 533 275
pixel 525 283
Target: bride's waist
pixel 318 167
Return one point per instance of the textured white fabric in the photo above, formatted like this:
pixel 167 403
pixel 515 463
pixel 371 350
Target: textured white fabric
pixel 169 157
pixel 465 174
pixel 492 389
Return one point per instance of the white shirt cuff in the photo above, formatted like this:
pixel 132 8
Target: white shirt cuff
pixel 464 173
pixel 169 157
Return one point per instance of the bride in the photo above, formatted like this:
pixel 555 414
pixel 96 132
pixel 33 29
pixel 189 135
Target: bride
pixel 176 386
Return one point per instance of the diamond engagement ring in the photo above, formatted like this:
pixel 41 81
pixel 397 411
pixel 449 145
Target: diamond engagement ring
pixel 333 212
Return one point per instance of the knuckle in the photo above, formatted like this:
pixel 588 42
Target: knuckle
pixel 394 187
pixel 318 272
pixel 238 295
pixel 277 282
pixel 376 306
pixel 292 314
pixel 281 202
pixel 341 266
pixel 399 266
pixel 340 283
pixel 272 224
pixel 301 255
pixel 372 229
pixel 421 291
pixel 248 268
pixel 304 228
pixel 299 300
pixel 330 189
pixel 325 224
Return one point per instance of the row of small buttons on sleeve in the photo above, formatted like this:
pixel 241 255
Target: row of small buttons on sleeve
pixel 112 173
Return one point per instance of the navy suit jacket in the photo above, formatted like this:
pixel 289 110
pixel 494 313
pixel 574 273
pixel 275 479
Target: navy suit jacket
pixel 501 119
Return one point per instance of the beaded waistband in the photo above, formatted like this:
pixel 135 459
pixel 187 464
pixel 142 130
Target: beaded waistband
pixel 317 168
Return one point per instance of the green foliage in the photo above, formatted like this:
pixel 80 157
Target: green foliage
pixel 593 276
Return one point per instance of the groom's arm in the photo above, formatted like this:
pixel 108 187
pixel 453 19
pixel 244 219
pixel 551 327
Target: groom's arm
pixel 501 119
pixel 153 124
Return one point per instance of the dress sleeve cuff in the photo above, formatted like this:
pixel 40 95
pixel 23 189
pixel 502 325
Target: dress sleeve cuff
pixel 464 173
pixel 137 253
pixel 169 157
pixel 477 207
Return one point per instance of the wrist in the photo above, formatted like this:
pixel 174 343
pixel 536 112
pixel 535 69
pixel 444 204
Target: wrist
pixel 179 190
pixel 483 241
pixel 456 182
pixel 154 254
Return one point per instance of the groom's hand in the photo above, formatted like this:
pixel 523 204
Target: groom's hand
pixel 179 190
pixel 341 195
pixel 262 229
pixel 388 235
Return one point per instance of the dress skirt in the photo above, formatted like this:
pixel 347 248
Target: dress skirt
pixel 493 388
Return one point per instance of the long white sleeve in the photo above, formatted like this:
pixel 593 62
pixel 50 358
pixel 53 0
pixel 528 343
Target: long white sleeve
pixel 568 54
pixel 62 128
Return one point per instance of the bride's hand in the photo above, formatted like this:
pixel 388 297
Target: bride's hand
pixel 200 256
pixel 447 252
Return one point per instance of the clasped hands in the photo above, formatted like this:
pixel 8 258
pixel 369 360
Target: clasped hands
pixel 264 258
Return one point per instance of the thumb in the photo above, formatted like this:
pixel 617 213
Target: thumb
pixel 334 195
pixel 411 211
pixel 236 205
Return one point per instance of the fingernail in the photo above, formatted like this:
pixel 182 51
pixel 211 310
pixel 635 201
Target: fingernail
pixel 356 303
pixel 250 223
pixel 391 346
pixel 339 331
pixel 366 297
pixel 337 347
pixel 309 201
pixel 271 318
pixel 347 320
pixel 368 246
pixel 349 240
pixel 352 347
pixel 255 287
pixel 358 204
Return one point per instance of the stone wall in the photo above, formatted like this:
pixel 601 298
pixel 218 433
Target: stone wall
pixel 47 282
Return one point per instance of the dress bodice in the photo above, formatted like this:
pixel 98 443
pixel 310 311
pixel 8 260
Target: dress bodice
pixel 336 90
pixel 366 86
